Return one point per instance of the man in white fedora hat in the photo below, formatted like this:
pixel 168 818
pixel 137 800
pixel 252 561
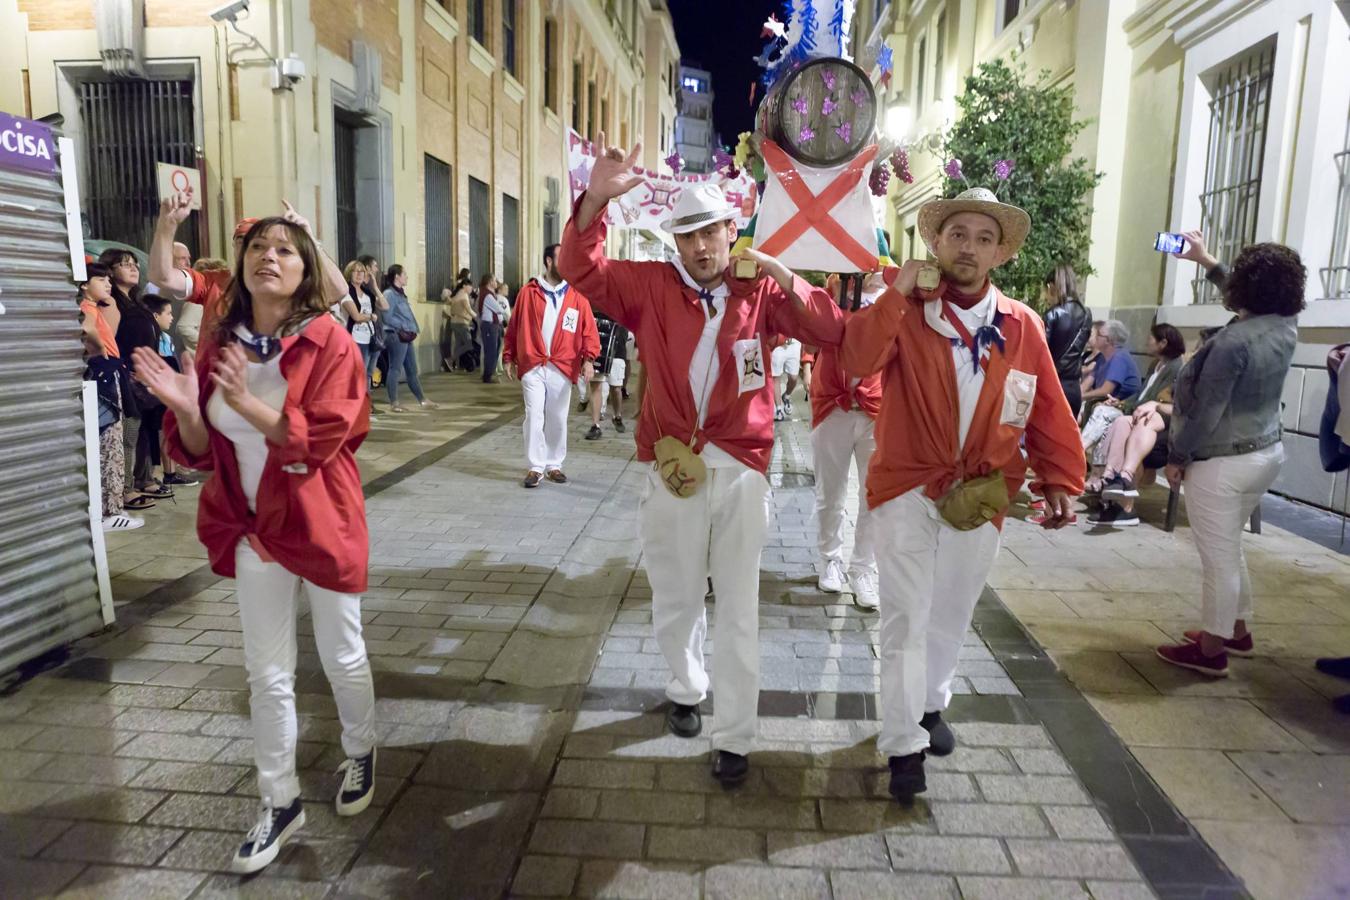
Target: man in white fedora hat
pixel 707 424
pixel 967 378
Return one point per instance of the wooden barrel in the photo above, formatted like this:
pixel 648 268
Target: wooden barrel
pixel 822 114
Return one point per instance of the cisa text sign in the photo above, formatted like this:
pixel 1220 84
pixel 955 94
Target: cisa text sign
pixel 25 144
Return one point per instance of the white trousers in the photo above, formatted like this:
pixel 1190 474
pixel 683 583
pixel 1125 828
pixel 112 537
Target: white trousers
pixel 1221 494
pixel 268 596
pixel 547 395
pixel 844 437
pixel 719 532
pixel 931 576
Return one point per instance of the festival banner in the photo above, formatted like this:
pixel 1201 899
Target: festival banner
pixel 651 203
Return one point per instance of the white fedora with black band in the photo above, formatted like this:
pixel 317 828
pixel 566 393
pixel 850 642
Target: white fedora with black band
pixel 1013 222
pixel 697 207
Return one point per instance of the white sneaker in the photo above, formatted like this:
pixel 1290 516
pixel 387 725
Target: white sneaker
pixel 863 582
pixel 122 522
pixel 832 576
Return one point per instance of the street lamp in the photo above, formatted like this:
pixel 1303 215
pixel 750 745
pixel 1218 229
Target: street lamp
pixel 899 119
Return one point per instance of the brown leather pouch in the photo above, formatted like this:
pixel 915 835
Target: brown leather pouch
pixel 969 504
pixel 680 468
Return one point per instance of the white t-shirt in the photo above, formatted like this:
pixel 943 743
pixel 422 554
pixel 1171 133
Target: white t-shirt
pixel 493 305
pixel 705 367
pixel 362 331
pixel 969 378
pixel 250 447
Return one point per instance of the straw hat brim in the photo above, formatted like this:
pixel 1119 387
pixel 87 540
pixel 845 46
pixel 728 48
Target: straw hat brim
pixel 1014 223
pixel 701 220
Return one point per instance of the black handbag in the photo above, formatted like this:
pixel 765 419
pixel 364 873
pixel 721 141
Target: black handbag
pixel 406 336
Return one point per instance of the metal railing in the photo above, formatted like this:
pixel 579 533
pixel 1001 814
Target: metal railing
pixel 1239 112
pixel 1336 276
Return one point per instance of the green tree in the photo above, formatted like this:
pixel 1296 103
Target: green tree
pixel 1003 116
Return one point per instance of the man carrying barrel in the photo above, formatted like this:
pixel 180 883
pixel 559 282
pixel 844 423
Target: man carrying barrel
pixel 966 378
pixel 707 425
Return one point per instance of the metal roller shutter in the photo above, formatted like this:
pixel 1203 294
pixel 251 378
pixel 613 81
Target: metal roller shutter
pixel 48 582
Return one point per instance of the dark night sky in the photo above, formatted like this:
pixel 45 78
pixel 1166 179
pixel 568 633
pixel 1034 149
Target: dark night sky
pixel 723 35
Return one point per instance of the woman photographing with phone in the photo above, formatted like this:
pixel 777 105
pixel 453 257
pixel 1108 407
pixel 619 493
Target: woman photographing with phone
pixel 276 405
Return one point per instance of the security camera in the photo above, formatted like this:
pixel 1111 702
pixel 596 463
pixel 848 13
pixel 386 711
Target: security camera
pixel 230 11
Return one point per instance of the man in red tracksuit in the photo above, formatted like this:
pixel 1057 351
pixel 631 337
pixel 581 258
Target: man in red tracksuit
pixel 551 339
pixel 705 337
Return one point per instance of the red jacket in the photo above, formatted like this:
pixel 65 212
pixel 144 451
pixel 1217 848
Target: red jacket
pixel 830 388
pixel 311 514
pixel 667 318
pixel 524 344
pixel 917 429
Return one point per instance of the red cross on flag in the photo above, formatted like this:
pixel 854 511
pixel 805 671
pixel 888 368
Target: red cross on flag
pixel 817 218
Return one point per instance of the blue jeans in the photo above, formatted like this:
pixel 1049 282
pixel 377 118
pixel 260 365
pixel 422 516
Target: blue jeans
pixel 491 335
pixel 401 359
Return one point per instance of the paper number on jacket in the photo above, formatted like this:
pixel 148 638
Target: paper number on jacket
pixel 749 356
pixel 570 318
pixel 1019 392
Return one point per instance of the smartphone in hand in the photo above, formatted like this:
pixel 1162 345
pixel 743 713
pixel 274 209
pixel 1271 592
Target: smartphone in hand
pixel 1167 242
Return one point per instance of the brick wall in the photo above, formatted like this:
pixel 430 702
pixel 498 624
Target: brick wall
pixel 339 22
pixel 62 15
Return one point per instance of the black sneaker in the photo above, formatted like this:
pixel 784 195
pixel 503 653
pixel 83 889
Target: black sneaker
pixel 787 406
pixel 941 741
pixel 594 434
pixel 684 721
pixel 907 777
pixel 180 480
pixel 619 426
pixel 268 836
pixel 358 784
pixel 1113 515
pixel 730 768
pixel 1118 487
pixel 156 491
pixel 1336 666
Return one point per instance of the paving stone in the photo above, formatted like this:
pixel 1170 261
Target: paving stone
pixel 266 887
pixel 218 701
pixel 653 807
pixel 860 816
pixel 1076 859
pixel 820 850
pixel 178 720
pixel 80 715
pixel 704 844
pixel 931 853
pixel 135 845
pixel 642 881
pixel 537 660
pixel 205 811
pixel 735 882
pixel 105 770
pixel 888 886
pixel 494 749
pixel 1031 789
pixel 974 887
pixel 605 774
pixel 762 812
pixel 1040 762
pixel 25 836
pixel 545 876
pixel 603 839
pixel 206 778
pixel 30 879
pixel 1078 823
pixel 99 803
pixel 987 734
pixel 994 819
pixel 19 764
pixel 971 759
pixel 27 797
pixel 145 695
pixel 108 883
pixel 1120 890
pixel 172 746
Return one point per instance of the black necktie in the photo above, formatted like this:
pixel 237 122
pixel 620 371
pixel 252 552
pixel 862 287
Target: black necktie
pixel 706 296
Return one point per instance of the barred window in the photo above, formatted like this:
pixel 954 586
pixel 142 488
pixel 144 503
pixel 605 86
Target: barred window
pixel 1336 276
pixel 1237 148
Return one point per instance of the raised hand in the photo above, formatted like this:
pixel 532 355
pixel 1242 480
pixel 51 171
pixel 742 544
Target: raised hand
pixel 290 215
pixel 175 210
pixel 231 374
pixel 1195 251
pixel 612 175
pixel 176 390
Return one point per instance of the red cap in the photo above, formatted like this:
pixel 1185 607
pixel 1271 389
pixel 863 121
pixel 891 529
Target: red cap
pixel 244 225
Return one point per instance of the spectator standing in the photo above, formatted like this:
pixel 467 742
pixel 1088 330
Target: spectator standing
pixel 1225 441
pixel 359 305
pixel 400 332
pixel 284 514
pixel 107 371
pixel 135 328
pixel 550 342
pixel 1068 328
pixel 606 382
pixel 491 321
pixel 152 413
pixel 457 312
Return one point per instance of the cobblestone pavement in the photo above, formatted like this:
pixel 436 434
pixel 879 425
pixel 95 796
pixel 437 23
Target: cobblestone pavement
pixel 522 748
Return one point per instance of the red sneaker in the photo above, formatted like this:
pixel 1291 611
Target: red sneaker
pixel 1238 647
pixel 1038 505
pixel 1188 656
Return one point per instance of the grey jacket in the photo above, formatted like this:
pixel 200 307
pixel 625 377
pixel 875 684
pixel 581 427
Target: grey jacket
pixel 1227 398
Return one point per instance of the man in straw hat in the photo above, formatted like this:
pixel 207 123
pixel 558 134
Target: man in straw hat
pixel 966 377
pixel 707 423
